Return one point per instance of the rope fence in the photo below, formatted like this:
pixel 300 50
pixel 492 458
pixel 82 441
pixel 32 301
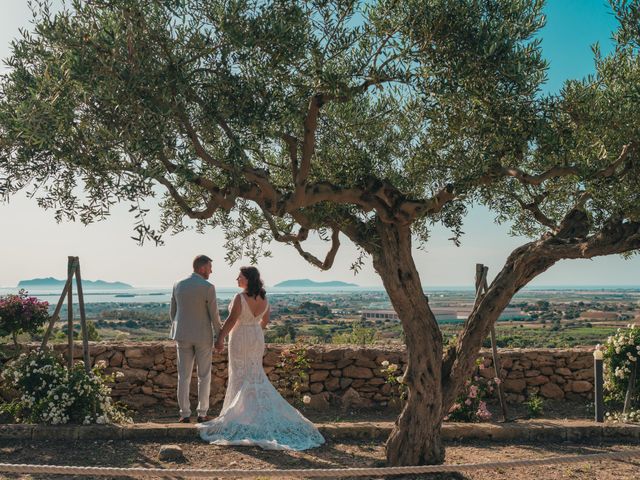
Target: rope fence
pixel 140 472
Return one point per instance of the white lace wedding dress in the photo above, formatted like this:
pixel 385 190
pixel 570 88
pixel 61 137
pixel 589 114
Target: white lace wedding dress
pixel 254 413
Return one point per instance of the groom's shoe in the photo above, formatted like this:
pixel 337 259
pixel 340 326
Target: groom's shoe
pixel 184 420
pixel 206 418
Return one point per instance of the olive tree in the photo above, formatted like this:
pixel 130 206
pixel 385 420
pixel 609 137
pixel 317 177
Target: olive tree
pixel 274 120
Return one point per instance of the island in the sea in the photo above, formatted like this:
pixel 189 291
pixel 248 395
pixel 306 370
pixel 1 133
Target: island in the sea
pixel 305 283
pixel 51 282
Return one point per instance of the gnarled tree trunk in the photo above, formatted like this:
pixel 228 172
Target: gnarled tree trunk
pixel 415 439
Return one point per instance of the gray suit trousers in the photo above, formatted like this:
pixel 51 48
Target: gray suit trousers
pixel 187 353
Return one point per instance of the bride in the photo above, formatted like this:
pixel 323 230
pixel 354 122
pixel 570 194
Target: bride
pixel 253 412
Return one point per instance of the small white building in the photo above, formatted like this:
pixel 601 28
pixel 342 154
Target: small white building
pixel 379 315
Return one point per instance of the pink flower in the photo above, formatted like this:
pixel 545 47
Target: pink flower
pixel 467 402
pixel 497 380
pixel 473 391
pixel 482 412
pixel 454 407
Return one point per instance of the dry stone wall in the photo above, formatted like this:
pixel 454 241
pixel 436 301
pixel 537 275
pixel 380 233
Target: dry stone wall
pixel 340 375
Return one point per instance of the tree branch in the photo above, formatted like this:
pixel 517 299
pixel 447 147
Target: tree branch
pixel 331 254
pixel 301 236
pixel 534 208
pixel 215 201
pixel 524 264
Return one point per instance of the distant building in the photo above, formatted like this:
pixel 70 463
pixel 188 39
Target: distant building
pixel 379 314
pixel 441 313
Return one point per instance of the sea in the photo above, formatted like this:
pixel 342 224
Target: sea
pixel 163 294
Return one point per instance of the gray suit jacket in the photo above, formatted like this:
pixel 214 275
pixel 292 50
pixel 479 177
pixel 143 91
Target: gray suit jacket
pixel 194 311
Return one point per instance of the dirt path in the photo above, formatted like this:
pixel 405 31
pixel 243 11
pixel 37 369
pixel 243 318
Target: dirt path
pixel 332 455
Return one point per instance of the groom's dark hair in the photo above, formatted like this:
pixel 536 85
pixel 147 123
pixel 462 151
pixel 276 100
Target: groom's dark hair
pixel 200 261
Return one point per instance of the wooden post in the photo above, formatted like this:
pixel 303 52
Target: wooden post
pixel 630 388
pixel 55 315
pixel 70 272
pixel 481 288
pixel 83 318
pixel 73 268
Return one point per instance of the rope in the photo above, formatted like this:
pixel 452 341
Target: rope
pixel 300 472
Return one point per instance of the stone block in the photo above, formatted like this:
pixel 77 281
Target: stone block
pixel 584 374
pixel 116 359
pixel 319 401
pixel 165 380
pixel 585 362
pixel 581 386
pixel 536 381
pixel 139 401
pixel 135 375
pixel 345 382
pixel 322 366
pixel 333 355
pixel 344 362
pixel 514 385
pixel 365 362
pixel 358 383
pixel 134 352
pixel 332 384
pixel 316 387
pixel 16 431
pixel 353 371
pixel 271 359
pixel 318 376
pixel 551 390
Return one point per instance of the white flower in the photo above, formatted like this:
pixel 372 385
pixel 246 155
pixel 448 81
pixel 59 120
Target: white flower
pixel 393 367
pixel 306 399
pixel 385 363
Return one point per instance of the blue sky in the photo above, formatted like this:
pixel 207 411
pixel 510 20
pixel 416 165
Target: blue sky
pixel 33 245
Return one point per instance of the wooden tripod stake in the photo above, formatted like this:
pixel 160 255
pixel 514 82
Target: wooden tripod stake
pixel 631 387
pixel 481 289
pixel 73 268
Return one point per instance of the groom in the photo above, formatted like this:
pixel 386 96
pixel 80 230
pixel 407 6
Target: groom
pixel 194 323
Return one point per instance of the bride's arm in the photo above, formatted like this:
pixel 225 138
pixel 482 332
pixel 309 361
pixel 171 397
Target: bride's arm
pixel 265 318
pixel 229 323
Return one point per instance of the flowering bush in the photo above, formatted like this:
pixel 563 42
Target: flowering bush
pixel 49 392
pixel 21 314
pixel 621 352
pixel 295 365
pixel 394 378
pixel 470 405
pixel 618 417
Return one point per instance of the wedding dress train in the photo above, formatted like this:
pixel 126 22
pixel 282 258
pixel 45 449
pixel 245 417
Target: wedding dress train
pixel 254 413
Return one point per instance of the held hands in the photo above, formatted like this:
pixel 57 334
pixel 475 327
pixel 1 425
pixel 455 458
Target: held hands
pixel 218 347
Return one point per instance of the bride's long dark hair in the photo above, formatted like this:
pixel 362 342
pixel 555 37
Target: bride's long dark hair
pixel 255 286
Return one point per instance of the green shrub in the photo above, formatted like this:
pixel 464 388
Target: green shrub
pixel 535 406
